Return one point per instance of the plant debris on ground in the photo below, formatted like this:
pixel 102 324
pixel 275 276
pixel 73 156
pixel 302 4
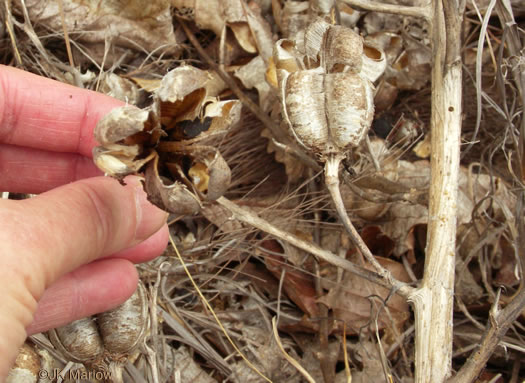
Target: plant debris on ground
pixel 264 279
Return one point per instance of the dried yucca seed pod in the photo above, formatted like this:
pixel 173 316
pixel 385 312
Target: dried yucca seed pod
pixel 172 196
pixel 107 342
pixel 123 328
pixel 78 341
pixel 26 367
pixel 327 113
pixel 125 134
pixel 329 105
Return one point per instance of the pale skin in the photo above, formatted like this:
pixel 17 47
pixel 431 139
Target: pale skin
pixel 70 251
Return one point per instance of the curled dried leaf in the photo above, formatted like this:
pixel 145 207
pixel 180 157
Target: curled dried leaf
pixel 210 174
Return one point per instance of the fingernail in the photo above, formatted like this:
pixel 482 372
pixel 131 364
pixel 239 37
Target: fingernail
pixel 149 217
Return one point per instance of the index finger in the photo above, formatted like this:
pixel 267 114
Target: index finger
pixel 44 114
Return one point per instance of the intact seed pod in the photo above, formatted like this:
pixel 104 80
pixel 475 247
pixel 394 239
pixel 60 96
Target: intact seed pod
pixel 27 366
pixel 329 104
pixel 328 113
pixel 78 341
pixel 123 328
pixel 111 337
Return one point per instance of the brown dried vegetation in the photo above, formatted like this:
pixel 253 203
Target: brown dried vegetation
pixel 223 95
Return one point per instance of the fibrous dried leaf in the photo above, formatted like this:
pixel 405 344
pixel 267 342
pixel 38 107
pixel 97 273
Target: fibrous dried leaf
pixel 131 24
pixel 353 302
pixel 251 30
pixel 253 75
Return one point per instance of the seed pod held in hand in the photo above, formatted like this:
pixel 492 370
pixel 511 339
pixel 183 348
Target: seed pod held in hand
pixel 123 328
pixel 26 367
pixel 171 196
pixel 78 341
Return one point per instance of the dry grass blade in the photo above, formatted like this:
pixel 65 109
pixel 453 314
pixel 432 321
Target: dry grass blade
pixel 9 26
pixel 66 34
pixel 205 301
pixel 294 363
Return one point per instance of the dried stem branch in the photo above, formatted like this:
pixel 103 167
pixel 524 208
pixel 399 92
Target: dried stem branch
pixel 332 183
pixel 500 321
pixel 433 301
pixel 254 220
pixel 396 9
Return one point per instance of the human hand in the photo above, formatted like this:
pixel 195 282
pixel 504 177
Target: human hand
pixel 68 252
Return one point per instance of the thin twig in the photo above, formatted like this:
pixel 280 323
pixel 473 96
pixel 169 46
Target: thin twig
pixel 332 183
pixel 254 220
pixel 396 9
pixel 500 323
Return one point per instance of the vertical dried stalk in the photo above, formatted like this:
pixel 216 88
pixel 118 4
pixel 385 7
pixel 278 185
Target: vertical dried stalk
pixel 433 300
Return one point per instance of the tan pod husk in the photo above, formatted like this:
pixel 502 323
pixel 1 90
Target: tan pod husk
pixel 78 341
pixel 326 87
pixel 327 113
pixel 106 343
pixel 123 328
pixel 26 367
pixel 181 125
pixel 171 196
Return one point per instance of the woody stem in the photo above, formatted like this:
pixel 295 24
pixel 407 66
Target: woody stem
pixel 332 183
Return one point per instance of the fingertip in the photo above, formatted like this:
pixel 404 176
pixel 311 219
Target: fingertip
pixel 148 249
pixel 149 217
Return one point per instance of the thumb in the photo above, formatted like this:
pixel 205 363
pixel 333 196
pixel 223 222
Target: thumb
pixel 60 230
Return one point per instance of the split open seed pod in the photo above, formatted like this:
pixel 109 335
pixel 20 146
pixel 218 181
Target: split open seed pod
pixel 329 108
pixel 125 135
pixel 172 141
